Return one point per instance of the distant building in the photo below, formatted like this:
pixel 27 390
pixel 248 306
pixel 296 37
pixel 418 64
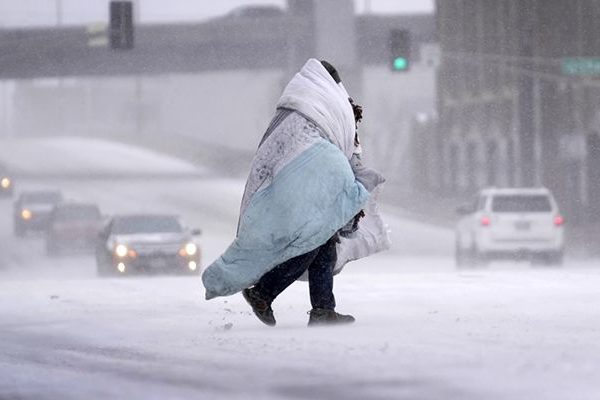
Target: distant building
pixel 519 98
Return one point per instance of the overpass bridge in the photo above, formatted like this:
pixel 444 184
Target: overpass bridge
pixel 181 79
pixel 224 43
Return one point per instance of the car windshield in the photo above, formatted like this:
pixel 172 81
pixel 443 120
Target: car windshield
pixel 146 224
pixel 77 213
pixel 521 203
pixel 42 197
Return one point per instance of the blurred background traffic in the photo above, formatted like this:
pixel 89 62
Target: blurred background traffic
pixel 458 96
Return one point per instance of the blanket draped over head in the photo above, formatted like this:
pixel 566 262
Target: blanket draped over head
pixel 301 188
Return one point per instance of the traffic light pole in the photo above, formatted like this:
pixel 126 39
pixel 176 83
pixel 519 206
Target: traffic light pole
pixel 138 78
pixel 138 105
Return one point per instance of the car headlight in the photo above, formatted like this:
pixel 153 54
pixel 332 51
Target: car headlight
pixel 26 214
pixel 190 249
pixel 121 250
pixel 5 183
pixel 121 267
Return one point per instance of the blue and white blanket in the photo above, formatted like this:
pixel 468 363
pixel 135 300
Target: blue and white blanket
pixel 301 188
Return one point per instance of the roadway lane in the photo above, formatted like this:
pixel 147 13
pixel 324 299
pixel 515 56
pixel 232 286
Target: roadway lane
pixel 423 331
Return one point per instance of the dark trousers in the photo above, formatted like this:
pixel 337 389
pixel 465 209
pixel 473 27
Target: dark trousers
pixel 319 263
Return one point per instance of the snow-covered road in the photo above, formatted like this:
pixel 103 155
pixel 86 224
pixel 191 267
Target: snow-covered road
pixel 423 330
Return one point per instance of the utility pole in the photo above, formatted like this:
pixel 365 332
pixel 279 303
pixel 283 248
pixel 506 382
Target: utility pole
pixel 3 102
pixel 5 125
pixel 528 102
pixel 59 12
pixel 138 78
pixel 59 87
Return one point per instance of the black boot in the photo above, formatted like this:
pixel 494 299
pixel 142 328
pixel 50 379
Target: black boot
pixel 262 308
pixel 323 316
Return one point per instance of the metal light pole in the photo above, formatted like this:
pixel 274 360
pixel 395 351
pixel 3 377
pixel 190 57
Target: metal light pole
pixel 60 89
pixel 138 77
pixel 59 12
pixel 4 102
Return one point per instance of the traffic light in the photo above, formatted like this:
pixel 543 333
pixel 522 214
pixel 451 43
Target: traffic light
pixel 121 25
pixel 400 50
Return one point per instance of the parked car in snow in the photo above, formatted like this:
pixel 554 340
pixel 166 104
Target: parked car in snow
pixel 32 210
pixel 6 182
pixel 147 243
pixel 510 223
pixel 73 227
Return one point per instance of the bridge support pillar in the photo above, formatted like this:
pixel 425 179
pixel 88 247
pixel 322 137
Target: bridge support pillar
pixel 325 29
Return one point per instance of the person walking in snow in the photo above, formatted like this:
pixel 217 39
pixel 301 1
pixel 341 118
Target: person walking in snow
pixel 302 203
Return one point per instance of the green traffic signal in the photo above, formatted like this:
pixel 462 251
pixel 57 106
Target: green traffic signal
pixel 399 42
pixel 400 63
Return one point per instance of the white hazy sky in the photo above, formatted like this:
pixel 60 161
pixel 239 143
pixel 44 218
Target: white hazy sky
pixel 44 12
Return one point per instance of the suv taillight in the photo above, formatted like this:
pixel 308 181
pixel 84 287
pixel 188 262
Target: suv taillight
pixel 559 220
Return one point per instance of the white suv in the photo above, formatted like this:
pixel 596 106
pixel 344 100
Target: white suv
pixel 510 223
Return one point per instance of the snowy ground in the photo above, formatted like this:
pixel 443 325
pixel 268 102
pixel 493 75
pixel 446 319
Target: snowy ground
pixel 423 330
